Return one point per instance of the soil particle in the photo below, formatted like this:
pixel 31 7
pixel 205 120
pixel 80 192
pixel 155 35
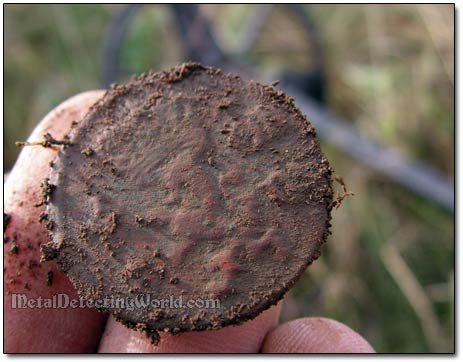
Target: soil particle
pixel 87 151
pixel 48 251
pixel 47 190
pixel 13 249
pixel 6 221
pixel 49 278
pixel 43 217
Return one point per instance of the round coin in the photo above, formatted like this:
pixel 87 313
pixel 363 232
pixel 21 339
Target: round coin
pixel 188 199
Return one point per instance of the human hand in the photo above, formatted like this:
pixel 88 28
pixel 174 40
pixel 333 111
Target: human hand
pixel 83 330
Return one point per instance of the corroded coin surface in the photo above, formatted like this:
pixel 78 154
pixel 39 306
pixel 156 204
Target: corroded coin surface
pixel 192 195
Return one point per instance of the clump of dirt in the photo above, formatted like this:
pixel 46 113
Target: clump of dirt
pixel 6 221
pixel 13 249
pixel 193 187
pixel 49 278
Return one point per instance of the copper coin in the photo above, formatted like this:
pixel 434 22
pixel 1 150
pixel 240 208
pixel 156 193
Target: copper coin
pixel 198 195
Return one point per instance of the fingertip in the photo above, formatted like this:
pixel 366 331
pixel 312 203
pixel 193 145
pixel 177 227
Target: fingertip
pixel 315 335
pixel 33 161
pixel 245 338
pixel 35 329
pixel 58 120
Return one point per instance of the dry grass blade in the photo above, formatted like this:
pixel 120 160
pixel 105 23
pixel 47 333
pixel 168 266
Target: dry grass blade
pixel 440 28
pixel 416 296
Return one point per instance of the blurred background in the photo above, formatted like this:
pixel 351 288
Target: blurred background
pixel 376 80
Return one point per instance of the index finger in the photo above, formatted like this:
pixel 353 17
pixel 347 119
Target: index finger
pixel 37 329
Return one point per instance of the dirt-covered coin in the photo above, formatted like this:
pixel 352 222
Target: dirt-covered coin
pixel 188 199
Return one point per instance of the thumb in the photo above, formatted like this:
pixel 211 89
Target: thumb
pixel 245 338
pixel 315 335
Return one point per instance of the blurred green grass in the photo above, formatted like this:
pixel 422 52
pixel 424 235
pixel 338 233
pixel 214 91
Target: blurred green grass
pixel 388 269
